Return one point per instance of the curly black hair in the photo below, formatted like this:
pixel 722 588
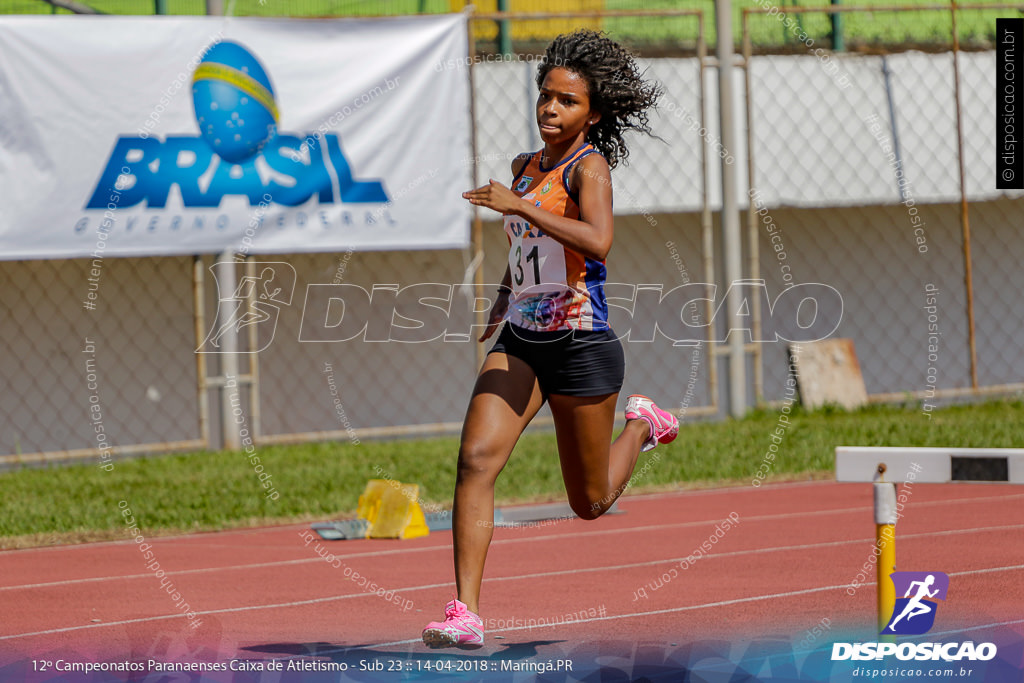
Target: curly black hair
pixel 614 83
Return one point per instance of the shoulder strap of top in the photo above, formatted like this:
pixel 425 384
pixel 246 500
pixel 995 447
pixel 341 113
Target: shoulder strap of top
pixel 586 151
pixel 523 169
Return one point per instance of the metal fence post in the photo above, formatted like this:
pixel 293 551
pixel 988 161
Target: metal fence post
pixel 199 328
pixel 476 243
pixel 731 240
pixel 504 30
pixel 228 338
pixel 753 232
pixel 838 44
pixel 965 221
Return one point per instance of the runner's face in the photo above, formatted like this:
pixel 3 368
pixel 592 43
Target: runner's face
pixel 563 106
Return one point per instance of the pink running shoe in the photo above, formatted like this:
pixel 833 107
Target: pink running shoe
pixel 460 627
pixel 664 425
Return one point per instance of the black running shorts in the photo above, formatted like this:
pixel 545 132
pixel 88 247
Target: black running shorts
pixel 568 362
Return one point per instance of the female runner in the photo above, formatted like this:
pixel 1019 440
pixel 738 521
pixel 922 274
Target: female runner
pixel 557 345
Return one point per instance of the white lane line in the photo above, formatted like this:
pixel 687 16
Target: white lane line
pixel 757 551
pixel 192 535
pixel 681 494
pixel 403 551
pixel 70 582
pixel 380 553
pixel 520 578
pixel 988 571
pixel 226 610
pixel 720 603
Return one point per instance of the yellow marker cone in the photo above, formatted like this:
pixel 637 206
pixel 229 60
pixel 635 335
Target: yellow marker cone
pixel 392 510
pixel 416 525
pixel 370 502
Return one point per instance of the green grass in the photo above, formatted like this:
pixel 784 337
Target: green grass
pixel 862 30
pixel 267 8
pixel 218 490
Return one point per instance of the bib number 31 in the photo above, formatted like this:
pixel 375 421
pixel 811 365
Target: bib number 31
pixel 535 261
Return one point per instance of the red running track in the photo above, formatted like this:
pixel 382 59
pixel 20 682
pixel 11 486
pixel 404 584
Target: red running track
pixel 789 562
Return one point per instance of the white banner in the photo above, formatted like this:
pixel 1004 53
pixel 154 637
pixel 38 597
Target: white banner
pixel 124 136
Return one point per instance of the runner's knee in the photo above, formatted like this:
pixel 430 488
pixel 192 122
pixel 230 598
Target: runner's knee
pixel 478 459
pixel 587 508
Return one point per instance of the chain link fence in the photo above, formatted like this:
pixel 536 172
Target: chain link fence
pixel 824 189
pixel 97 358
pixel 855 170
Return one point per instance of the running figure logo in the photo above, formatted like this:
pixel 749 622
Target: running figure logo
pixel 256 299
pixel 914 613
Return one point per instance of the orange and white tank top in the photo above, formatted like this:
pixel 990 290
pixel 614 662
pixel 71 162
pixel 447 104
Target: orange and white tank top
pixel 553 286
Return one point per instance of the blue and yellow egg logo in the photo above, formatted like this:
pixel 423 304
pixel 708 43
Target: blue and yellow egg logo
pixel 234 102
